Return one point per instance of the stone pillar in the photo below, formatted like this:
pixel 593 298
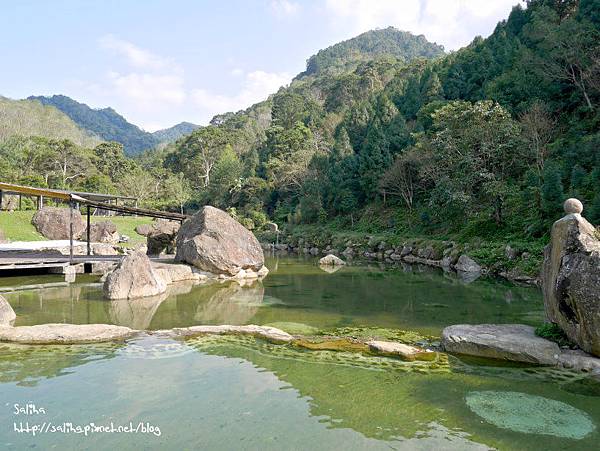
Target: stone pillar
pixel 571 278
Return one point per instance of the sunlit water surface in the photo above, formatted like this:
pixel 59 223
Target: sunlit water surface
pixel 240 393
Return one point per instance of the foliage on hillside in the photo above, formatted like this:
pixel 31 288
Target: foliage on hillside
pixel 172 134
pixel 485 141
pixel 390 42
pixel 30 118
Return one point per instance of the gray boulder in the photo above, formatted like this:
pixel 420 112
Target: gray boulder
pixel 134 277
pixel 104 232
pixel 513 342
pixel 213 241
pixel 143 229
pixel 467 264
pixel 162 237
pixel 54 223
pixel 331 260
pixel 571 279
pixel 7 314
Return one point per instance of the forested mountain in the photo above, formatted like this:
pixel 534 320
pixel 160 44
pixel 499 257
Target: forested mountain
pixel 111 126
pixel 390 42
pixel 486 140
pixel 31 118
pixel 172 134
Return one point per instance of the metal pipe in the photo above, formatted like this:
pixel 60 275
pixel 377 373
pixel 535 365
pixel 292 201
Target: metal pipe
pixel 89 246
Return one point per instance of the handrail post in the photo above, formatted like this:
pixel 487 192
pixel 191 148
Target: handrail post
pixel 72 208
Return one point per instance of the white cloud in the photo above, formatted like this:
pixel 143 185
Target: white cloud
pixel 136 56
pixel 149 90
pixel 452 23
pixel 257 86
pixel 236 72
pixel 284 7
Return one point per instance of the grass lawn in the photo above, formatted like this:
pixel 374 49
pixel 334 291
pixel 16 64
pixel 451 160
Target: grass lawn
pixel 16 226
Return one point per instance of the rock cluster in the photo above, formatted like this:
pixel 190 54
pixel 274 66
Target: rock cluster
pixel 571 278
pixel 213 241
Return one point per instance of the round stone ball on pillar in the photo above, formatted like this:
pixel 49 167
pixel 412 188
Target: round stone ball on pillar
pixel 573 205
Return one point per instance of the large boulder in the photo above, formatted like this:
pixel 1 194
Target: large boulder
pixel 134 277
pixel 513 342
pixel 104 232
pixel 161 238
pixel 7 314
pixel 54 223
pixel 571 278
pixel 215 242
pixel 467 264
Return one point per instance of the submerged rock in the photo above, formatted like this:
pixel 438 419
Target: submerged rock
pixel 513 342
pixel 134 277
pixel 531 414
pixel 213 241
pixel 403 351
pixel 7 314
pixel 54 223
pixel 331 260
pixel 571 278
pixel 294 328
pixel 268 333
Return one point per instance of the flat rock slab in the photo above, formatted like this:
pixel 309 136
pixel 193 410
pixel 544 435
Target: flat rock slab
pixel 513 342
pixel 268 333
pixel 401 350
pixel 64 333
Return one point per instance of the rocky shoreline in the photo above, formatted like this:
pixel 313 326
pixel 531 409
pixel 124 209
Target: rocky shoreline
pixel 446 255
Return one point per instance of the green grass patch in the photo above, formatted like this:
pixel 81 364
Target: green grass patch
pixel 552 332
pixel 16 226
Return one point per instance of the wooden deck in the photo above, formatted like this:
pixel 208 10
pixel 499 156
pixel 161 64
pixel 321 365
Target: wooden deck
pixel 19 260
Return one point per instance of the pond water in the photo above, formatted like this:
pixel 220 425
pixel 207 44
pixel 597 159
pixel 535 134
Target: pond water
pixel 241 393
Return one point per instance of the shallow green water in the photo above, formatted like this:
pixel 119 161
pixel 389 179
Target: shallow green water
pixel 240 393
pixel 297 290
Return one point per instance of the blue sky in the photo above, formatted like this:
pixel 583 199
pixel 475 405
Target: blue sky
pixel 160 62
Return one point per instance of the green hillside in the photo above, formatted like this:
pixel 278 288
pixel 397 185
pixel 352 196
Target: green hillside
pixel 31 118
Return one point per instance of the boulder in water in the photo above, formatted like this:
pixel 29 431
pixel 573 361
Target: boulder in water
pixel 571 278
pixel 331 260
pixel 513 342
pixel 467 264
pixel 134 277
pixel 213 241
